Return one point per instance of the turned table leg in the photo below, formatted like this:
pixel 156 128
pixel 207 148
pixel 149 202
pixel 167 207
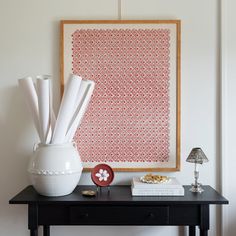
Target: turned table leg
pixel 192 231
pixel 46 230
pixel 203 232
pixel 204 225
pixel 33 219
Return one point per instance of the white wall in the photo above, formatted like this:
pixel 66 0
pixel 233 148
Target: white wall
pixel 29 45
pixel 229 114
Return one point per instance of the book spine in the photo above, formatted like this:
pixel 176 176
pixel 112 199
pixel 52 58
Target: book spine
pixel 157 187
pixel 159 192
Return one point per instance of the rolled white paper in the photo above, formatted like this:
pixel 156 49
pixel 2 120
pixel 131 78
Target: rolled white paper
pixel 84 97
pixel 52 117
pixel 43 91
pixel 28 89
pixel 79 100
pixel 66 109
pixel 52 114
pixel 74 103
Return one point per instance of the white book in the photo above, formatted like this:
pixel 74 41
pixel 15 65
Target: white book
pixel 173 183
pixel 157 192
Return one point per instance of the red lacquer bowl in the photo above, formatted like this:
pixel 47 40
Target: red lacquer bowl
pixel 102 175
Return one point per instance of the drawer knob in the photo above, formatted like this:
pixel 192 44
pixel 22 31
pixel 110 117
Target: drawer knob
pixel 86 215
pixel 151 215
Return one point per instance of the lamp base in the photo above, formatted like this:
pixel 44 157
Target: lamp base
pixel 196 188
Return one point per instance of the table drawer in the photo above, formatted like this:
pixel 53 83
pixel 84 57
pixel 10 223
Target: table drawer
pixel 119 215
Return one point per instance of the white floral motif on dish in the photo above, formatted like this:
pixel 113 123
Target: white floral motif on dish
pixel 102 175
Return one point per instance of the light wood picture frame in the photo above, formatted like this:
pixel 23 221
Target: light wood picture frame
pixel 133 120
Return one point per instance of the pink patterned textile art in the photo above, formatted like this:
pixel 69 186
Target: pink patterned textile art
pixel 128 119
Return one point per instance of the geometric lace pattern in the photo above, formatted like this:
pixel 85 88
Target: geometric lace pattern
pixel 128 118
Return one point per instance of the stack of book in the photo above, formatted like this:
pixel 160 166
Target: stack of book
pixel 170 188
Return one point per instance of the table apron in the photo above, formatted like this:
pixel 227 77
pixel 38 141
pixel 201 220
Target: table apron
pixel 120 215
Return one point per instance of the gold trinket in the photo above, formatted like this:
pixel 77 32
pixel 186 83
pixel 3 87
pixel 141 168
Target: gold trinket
pixel 88 193
pixel 154 179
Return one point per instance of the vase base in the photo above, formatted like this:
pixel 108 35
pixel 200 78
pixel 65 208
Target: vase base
pixel 55 185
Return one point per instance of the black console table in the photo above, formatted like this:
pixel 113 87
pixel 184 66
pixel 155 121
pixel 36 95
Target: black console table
pixel 119 208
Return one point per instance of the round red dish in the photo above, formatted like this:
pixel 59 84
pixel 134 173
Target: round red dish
pixel 102 175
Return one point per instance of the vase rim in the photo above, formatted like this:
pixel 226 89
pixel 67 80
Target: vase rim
pixel 55 144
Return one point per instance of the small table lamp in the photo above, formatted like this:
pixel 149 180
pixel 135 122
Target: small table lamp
pixel 196 156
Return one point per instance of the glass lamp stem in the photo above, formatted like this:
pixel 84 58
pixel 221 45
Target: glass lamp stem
pixel 196 174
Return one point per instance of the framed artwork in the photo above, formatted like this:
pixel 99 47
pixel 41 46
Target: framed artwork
pixel 133 120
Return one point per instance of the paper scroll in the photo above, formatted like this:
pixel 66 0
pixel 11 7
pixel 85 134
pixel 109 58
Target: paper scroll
pixel 76 97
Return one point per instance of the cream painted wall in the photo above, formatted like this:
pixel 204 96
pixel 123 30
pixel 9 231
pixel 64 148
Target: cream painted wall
pixel 29 45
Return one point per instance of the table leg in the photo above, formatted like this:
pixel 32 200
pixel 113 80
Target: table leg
pixel 192 231
pixel 203 232
pixel 34 232
pixel 33 219
pixel 46 230
pixel 205 216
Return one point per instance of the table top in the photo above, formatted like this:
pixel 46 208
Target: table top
pixel 119 195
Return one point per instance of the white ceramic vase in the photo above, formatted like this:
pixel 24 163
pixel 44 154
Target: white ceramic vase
pixel 55 170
